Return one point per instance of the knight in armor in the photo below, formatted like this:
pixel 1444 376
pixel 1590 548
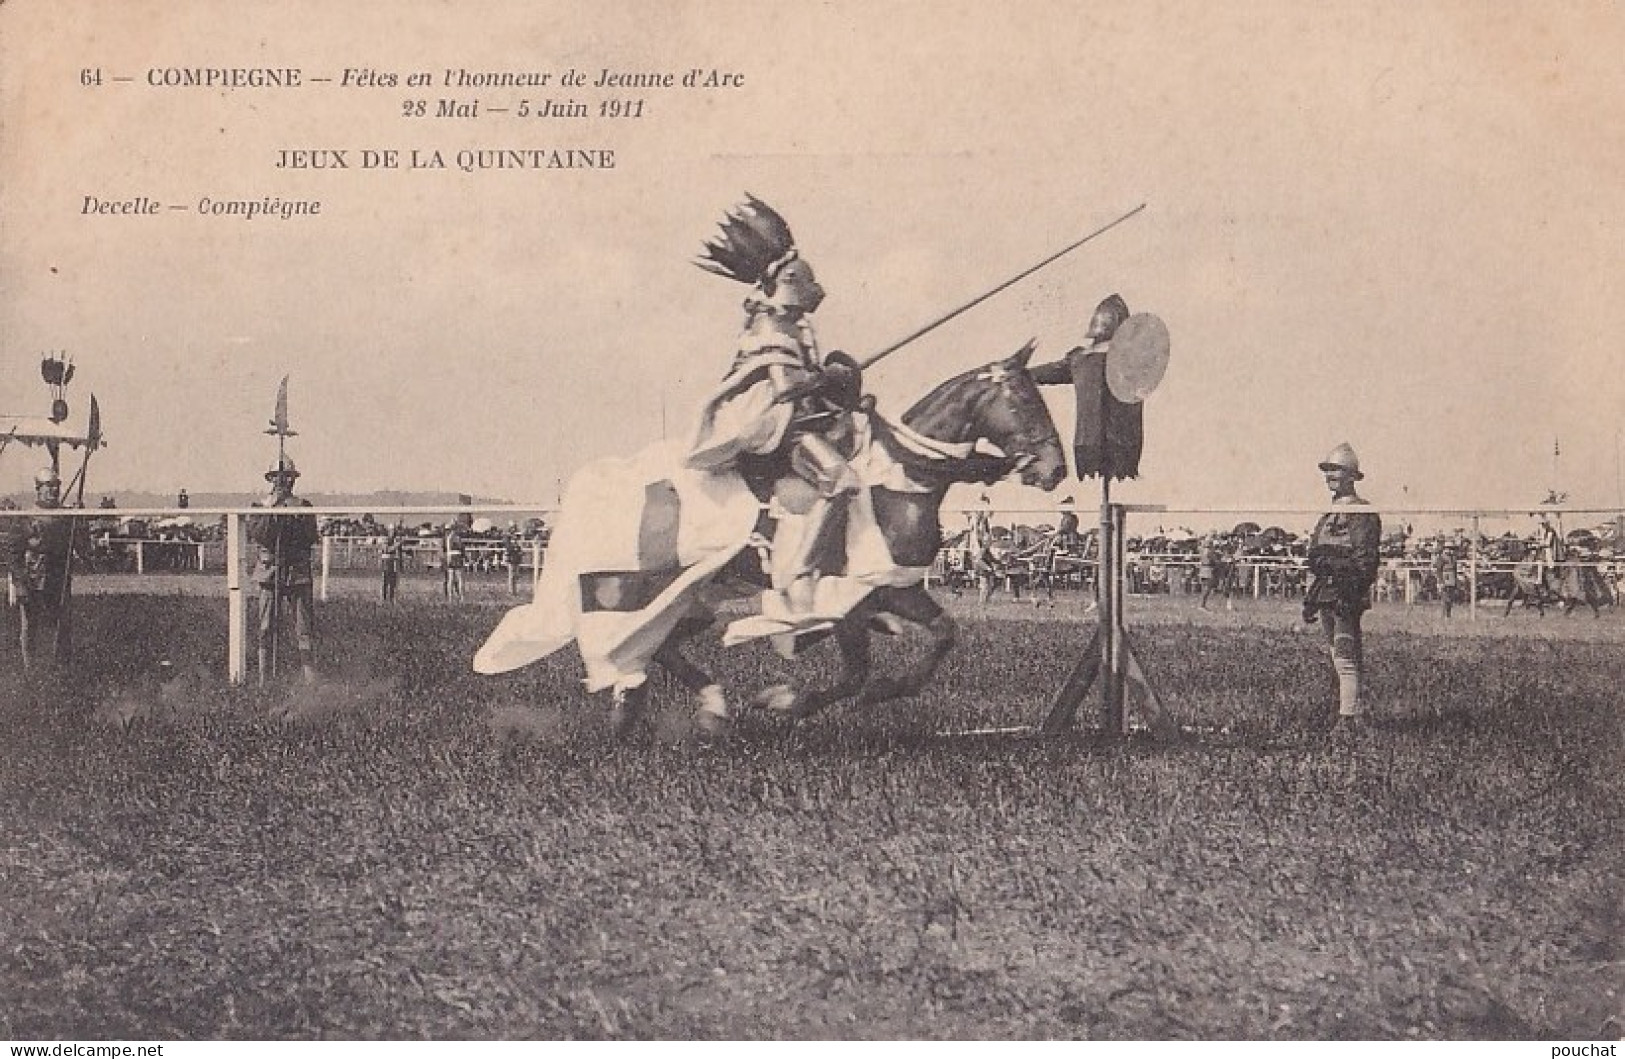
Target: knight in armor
pixel 1343 560
pixel 38 552
pixel 282 569
pixel 783 411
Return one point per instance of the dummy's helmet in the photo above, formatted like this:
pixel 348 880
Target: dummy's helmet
pixel 1343 458
pixel 284 469
pixel 47 476
pixel 1108 317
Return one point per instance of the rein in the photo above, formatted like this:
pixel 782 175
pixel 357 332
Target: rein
pixel 938 463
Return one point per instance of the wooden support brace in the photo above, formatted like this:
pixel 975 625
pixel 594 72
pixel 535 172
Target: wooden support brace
pixel 1137 687
pixel 1078 682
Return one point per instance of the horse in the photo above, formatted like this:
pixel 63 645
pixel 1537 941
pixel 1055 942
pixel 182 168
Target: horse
pixel 981 425
pixel 1567 585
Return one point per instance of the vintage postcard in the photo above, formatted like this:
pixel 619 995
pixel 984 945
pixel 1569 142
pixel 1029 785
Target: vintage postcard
pixel 639 362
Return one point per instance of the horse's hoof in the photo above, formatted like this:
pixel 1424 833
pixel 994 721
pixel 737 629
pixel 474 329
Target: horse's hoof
pixel 623 721
pixel 627 710
pixel 805 707
pixel 887 624
pixel 779 698
pixel 712 727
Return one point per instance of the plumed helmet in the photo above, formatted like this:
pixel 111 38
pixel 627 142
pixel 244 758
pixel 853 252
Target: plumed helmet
pixel 754 243
pixel 1343 458
pixel 1116 309
pixel 46 476
pixel 284 468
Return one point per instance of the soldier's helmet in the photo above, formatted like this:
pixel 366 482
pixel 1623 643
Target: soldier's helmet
pixel 284 469
pixel 1108 317
pixel 47 476
pixel 1343 458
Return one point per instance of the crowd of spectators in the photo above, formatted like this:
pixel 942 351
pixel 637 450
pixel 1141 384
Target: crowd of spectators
pixel 1247 559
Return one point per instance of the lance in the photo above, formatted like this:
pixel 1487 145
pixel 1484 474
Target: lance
pixel 800 390
pixel 279 427
pixel 875 358
pixel 93 441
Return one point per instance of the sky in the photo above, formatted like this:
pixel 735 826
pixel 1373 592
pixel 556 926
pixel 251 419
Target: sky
pixel 1392 224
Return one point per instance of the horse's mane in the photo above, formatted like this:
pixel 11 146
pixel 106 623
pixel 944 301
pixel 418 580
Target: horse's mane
pixel 952 402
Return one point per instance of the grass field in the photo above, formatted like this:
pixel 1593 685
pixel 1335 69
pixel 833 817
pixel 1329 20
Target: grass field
pixel 409 851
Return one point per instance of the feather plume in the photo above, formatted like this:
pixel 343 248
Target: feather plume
pixel 751 237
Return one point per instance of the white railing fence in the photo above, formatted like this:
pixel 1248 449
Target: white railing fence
pixel 1137 572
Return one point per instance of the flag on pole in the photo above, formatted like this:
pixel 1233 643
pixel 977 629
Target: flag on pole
pixel 93 429
pixel 279 421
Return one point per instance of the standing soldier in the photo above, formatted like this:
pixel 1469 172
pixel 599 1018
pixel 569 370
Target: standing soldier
pixel 1343 559
pixel 1549 555
pixel 390 560
pixel 1446 572
pixel 37 550
pixel 283 570
pixel 456 548
pixel 513 556
pixel 783 406
pixel 1207 566
pixel 1067 538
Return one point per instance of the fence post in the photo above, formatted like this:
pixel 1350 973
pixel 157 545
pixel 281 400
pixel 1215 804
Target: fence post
pixel 535 563
pixel 236 611
pixel 140 558
pixel 327 563
pixel 1472 574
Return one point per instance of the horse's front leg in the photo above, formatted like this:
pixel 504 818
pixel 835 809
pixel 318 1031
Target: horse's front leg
pixel 852 637
pixel 914 605
pixel 711 714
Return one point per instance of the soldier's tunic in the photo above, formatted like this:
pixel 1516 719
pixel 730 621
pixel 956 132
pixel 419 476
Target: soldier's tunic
pixel 282 566
pixel 1343 557
pixel 37 552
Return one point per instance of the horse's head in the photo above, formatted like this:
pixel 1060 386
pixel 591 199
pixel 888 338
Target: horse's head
pixel 999 407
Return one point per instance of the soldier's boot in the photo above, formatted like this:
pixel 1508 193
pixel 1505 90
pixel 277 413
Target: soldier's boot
pixel 795 571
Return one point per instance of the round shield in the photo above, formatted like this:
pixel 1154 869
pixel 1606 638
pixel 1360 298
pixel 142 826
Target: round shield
pixel 1138 358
